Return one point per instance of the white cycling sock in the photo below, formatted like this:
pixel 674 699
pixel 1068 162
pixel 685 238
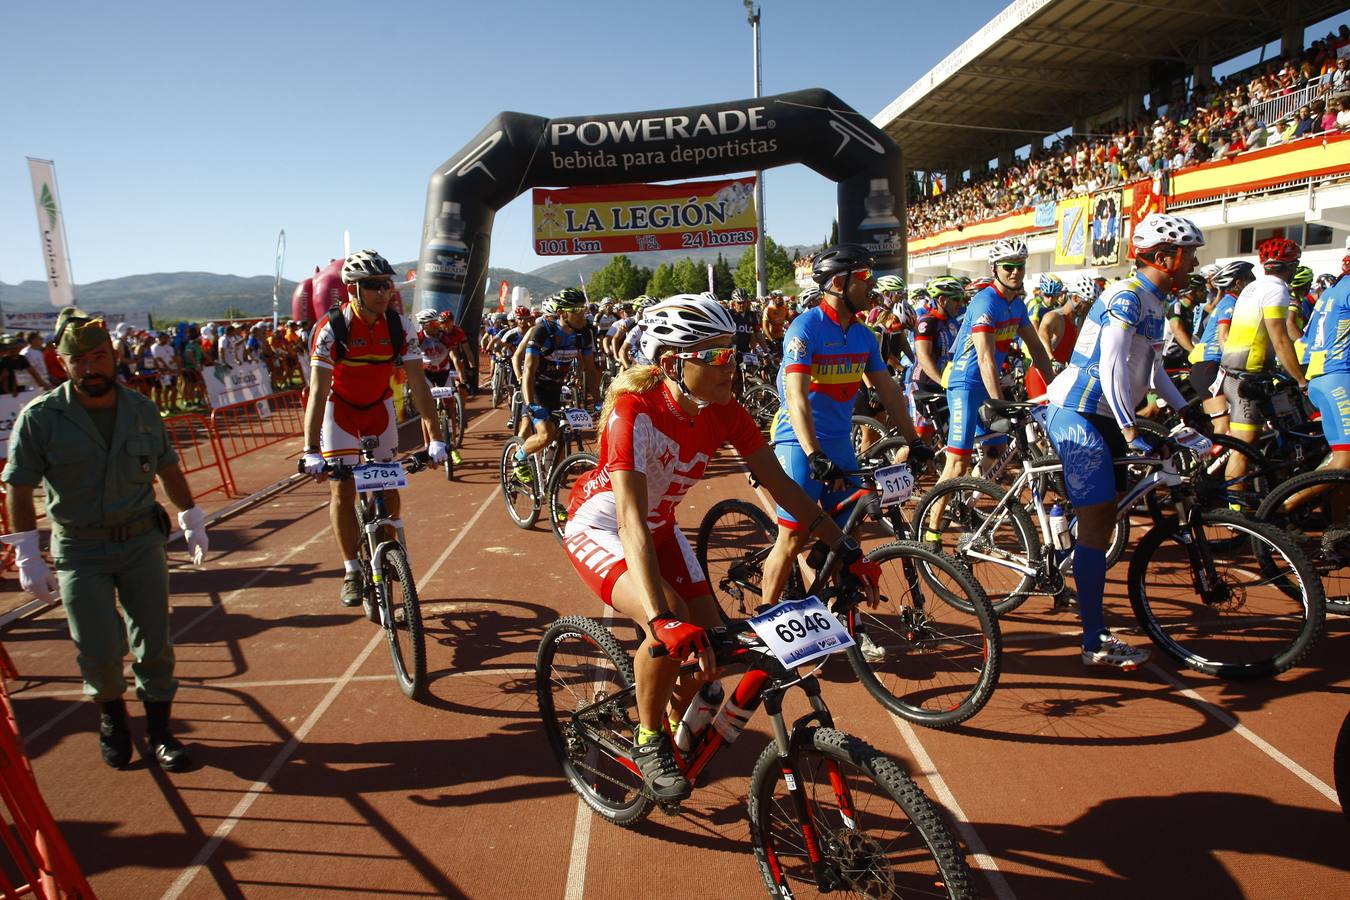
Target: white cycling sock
pixel 350 567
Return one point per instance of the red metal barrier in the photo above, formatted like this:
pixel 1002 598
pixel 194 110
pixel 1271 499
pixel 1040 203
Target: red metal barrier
pixel 241 428
pixel 38 851
pixel 194 440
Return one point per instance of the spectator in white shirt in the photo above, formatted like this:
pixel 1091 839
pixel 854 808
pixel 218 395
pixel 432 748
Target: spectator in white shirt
pixel 37 364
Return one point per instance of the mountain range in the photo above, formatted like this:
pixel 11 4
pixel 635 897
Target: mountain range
pixel 197 296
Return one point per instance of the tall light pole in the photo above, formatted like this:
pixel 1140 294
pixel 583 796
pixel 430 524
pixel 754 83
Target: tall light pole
pixel 761 288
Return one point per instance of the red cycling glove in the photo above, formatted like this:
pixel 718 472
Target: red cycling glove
pixel 867 571
pixel 679 638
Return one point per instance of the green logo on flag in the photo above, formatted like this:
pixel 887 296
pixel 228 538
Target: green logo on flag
pixel 48 203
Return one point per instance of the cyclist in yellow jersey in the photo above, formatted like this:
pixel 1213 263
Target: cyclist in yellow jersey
pixel 1257 336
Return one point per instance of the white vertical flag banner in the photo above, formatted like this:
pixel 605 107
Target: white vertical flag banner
pixel 52 231
pixel 712 288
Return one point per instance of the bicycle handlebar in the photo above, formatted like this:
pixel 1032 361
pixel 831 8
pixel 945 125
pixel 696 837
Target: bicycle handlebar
pixel 340 471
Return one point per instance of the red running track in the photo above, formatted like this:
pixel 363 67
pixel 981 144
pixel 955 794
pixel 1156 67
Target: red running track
pixel 318 778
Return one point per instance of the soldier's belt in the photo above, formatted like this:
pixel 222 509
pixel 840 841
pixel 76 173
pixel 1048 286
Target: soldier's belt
pixel 138 526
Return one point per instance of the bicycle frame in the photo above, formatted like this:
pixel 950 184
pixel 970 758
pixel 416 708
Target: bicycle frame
pixel 765 682
pixel 378 548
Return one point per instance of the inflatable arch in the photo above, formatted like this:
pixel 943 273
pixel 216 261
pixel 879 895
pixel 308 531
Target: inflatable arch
pixel 516 152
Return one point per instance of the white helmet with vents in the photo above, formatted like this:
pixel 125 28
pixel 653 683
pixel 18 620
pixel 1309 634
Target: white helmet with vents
pixel 682 321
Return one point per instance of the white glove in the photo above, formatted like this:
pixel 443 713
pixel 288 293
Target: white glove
pixel 436 450
pixel 312 463
pixel 35 576
pixel 193 523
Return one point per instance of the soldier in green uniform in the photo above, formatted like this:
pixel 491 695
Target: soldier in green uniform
pixel 98 448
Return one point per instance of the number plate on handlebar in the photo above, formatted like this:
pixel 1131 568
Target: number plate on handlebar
pixel 579 419
pixel 896 484
pixel 801 631
pixel 379 477
pixel 750 359
pixel 443 393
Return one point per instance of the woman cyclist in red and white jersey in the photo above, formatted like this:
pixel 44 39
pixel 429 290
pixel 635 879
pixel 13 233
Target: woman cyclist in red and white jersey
pixel 662 424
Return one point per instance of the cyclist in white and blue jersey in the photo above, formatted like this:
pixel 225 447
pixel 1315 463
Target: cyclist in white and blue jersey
pixel 1091 416
pixel 827 352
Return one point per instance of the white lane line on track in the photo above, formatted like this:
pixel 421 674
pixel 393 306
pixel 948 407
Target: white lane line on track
pixel 241 809
pixel 1242 731
pixel 581 830
pixel 980 857
pixel 263 572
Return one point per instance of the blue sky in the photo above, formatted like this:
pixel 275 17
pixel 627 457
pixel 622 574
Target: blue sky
pixel 184 140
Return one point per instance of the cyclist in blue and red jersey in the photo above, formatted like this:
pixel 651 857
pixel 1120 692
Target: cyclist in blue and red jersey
pixel 827 352
pixel 1329 384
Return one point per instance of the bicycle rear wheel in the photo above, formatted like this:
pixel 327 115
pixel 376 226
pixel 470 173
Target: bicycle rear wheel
pixel 733 541
pixel 407 645
pixel 459 421
pixel 1318 523
pixel 522 498
pixel 876 828
pixel 928 661
pixel 369 601
pixel 761 401
pixel 1002 549
pixel 566 474
pixel 584 681
pixel 498 384
pixel 1261 618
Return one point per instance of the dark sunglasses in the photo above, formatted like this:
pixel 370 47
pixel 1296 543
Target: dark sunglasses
pixel 1012 267
pixel 376 284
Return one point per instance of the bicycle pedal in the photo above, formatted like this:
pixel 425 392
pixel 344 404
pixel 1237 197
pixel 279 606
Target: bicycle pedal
pixel 670 807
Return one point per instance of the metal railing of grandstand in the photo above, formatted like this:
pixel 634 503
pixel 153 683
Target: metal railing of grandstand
pixel 1293 183
pixel 1274 109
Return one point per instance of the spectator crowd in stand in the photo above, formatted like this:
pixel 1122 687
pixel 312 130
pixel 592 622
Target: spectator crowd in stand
pixel 1213 122
pixel 166 366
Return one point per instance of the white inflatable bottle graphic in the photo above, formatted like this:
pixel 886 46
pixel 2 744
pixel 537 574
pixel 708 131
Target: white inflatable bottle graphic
pixel 449 260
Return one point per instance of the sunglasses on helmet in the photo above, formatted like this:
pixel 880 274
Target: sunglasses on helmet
pixel 717 356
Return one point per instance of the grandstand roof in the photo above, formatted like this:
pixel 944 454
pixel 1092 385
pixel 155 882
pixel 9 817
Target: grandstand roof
pixel 1040 64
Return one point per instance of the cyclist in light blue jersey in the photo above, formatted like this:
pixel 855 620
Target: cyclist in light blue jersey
pixel 1091 416
pixel 1229 281
pixel 827 352
pixel 1329 367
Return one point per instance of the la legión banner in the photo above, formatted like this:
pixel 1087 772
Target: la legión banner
pixel 627 218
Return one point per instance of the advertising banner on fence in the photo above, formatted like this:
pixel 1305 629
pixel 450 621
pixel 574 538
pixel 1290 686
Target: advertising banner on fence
pixel 10 404
pixel 51 232
pixel 245 382
pixel 626 218
pixel 1104 249
pixel 1071 228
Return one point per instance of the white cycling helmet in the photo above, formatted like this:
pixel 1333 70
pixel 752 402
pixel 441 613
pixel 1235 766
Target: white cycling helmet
pixel 1160 228
pixel 365 264
pixel 682 321
pixel 1084 286
pixel 427 315
pixel 1012 249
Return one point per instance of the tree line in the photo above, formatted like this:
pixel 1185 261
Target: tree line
pixel 621 279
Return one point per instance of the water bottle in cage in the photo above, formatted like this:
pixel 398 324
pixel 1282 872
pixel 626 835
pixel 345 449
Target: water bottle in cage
pixel 698 715
pixel 1060 537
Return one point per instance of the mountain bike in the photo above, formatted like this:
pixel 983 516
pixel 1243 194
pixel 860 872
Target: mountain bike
pixel 930 652
pixel 501 379
pixel 450 413
pixel 1214 590
pixel 827 811
pixel 389 594
pixel 551 471
pixel 1314 509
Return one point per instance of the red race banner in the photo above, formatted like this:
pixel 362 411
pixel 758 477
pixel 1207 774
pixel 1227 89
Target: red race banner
pixel 626 218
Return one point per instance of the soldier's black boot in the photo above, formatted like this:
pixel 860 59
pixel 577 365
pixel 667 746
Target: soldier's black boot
pixel 114 740
pixel 169 752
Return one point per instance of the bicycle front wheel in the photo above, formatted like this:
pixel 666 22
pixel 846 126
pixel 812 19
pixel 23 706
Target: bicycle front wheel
pixel 733 541
pixel 923 659
pixel 999 545
pixel 761 401
pixel 407 645
pixel 1260 616
pixel 1319 521
pixel 879 835
pixel 521 496
pixel 459 421
pixel 584 682
pixel 566 474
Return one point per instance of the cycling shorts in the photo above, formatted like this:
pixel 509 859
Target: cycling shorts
pixel 1243 413
pixel 1330 393
pixel 597 555
pixel 344 426
pixel 792 458
pixel 548 394
pixel 963 423
pixel 1087 443
pixel 922 426
pixel 1205 378
pixel 438 379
